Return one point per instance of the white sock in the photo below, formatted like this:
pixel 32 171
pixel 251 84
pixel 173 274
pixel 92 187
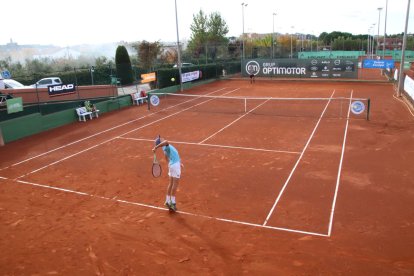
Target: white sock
pixel 173 199
pixel 168 199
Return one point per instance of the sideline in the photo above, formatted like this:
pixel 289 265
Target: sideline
pixel 135 129
pixel 296 164
pixel 339 169
pixel 93 135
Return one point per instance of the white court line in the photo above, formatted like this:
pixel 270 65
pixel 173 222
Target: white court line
pixel 214 145
pixel 233 122
pixel 65 158
pixel 339 169
pixel 106 141
pixel 98 133
pixel 165 209
pixel 297 163
pixel 77 141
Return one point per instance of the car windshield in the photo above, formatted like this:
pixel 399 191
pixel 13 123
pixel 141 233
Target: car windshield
pixel 13 83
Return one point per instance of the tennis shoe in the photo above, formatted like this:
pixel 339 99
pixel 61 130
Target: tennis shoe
pixel 167 204
pixel 173 207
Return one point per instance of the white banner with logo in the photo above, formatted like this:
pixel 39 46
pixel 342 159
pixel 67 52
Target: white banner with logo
pixel 409 86
pixel 189 76
pixel 61 89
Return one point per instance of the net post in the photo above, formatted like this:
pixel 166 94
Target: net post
pixel 148 101
pixel 368 108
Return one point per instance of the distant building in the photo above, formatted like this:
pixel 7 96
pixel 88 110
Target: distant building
pixel 11 45
pixel 391 43
pixel 65 53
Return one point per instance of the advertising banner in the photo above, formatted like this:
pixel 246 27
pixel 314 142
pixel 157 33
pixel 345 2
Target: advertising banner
pixel 14 105
pixel 378 63
pixel 301 68
pixel 189 76
pixel 148 77
pixel 409 86
pixel 61 89
pixel 331 54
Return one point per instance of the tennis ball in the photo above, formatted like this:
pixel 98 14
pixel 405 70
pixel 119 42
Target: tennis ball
pixel 172 79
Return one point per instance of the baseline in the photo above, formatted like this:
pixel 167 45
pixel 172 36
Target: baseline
pixel 165 209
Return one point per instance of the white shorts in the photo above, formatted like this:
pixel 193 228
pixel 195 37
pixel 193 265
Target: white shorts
pixel 174 170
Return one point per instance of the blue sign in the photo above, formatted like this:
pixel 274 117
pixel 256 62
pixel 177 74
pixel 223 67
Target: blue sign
pixel 357 107
pixel 378 63
pixel 6 74
pixel 155 100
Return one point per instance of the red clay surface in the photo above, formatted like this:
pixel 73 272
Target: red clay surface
pixel 259 194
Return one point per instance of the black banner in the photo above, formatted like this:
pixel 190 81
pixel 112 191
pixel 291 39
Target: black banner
pixel 61 89
pixel 301 68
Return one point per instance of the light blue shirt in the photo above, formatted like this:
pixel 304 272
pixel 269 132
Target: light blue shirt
pixel 171 153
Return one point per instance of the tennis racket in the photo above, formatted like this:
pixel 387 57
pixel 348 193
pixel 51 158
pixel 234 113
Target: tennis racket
pixel 156 167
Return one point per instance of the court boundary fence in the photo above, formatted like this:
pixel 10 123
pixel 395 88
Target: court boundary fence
pixel 34 123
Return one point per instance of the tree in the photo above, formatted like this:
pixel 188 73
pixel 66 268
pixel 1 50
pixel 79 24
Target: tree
pixel 199 35
pixel 207 31
pixel 147 53
pixel 169 55
pixel 123 65
pixel 217 30
pixel 286 43
pixel 234 48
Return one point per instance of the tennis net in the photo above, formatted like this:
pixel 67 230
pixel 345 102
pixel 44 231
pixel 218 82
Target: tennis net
pixel 287 107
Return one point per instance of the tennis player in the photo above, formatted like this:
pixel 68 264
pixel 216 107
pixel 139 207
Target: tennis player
pixel 252 78
pixel 174 170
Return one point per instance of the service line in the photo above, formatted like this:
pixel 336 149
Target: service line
pixel 111 139
pixel 99 133
pixel 217 146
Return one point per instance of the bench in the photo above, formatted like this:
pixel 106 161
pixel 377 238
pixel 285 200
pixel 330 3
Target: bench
pixel 82 113
pixel 137 99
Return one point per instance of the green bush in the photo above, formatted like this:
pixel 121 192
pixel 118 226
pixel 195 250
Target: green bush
pixel 123 65
pixel 209 71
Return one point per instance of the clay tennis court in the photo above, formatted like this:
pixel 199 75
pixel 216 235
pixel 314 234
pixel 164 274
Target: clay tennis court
pixel 298 188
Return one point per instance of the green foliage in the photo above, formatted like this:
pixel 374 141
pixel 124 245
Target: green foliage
pixel 216 28
pixel 328 38
pixel 147 53
pixel 346 44
pixel 199 28
pixel 208 71
pixel 123 65
pixel 207 33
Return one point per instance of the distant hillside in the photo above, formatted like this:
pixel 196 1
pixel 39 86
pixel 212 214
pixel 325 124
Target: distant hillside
pixel 19 53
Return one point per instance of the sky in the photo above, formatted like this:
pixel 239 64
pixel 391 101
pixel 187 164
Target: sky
pixel 74 22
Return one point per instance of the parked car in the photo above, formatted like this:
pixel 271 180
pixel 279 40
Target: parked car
pixel 44 83
pixel 184 64
pixel 12 84
pixel 4 98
